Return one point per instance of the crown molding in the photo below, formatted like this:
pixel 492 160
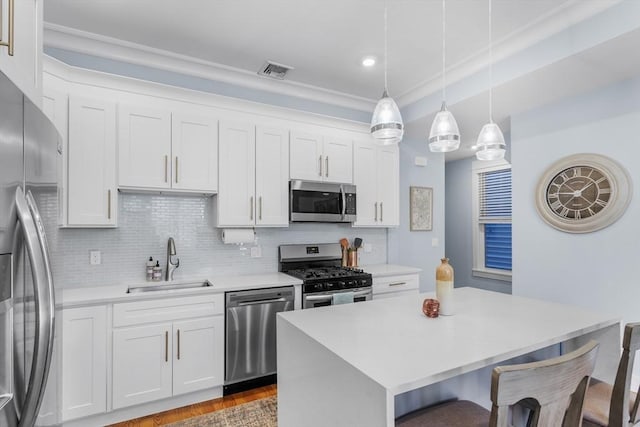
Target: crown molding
pixel 61 37
pixel 552 22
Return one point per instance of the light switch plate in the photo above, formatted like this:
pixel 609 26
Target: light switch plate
pixel 435 242
pixel 420 161
pixel 256 252
pixel 367 247
pixel 95 258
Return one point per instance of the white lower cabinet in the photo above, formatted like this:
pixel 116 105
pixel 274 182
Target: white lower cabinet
pixel 393 286
pixel 83 345
pixel 175 356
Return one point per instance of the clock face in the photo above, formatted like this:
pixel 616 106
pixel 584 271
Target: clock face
pixel 583 193
pixel 579 192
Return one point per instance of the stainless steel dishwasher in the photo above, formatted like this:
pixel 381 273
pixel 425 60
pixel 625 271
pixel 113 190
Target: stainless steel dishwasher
pixel 250 336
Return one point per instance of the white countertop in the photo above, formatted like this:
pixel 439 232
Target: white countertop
pixel 71 297
pixel 384 270
pixel 392 341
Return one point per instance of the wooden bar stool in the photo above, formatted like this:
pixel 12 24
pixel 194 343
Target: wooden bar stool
pixel 555 389
pixel 615 406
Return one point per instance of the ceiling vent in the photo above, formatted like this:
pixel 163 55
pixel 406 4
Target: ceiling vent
pixel 274 70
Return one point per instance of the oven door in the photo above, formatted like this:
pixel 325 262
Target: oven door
pixel 322 299
pixel 321 202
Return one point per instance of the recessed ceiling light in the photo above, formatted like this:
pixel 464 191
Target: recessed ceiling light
pixel 368 61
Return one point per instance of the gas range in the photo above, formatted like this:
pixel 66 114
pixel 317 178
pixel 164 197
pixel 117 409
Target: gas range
pixel 319 267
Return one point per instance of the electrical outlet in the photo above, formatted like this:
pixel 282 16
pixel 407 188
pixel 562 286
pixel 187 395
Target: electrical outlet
pixel 95 258
pixel 368 247
pixel 256 252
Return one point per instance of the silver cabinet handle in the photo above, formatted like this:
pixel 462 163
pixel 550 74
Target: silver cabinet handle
pixel 397 284
pixel 178 344
pixel 380 211
pixel 176 169
pixel 376 210
pixel 260 208
pixel 166 346
pixel 251 208
pixel 8 43
pixel 108 204
pixel 326 161
pixel 166 167
pixel 320 165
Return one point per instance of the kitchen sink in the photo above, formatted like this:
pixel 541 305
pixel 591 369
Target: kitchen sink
pixel 166 286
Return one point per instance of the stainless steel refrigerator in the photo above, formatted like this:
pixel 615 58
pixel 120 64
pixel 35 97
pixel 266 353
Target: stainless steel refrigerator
pixel 29 150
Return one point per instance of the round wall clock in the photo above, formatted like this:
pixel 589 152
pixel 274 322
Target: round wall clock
pixel 583 193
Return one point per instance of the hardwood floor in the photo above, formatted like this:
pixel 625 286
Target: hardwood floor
pixel 174 415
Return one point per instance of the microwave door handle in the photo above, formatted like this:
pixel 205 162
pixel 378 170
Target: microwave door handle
pixel 344 201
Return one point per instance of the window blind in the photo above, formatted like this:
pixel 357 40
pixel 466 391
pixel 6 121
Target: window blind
pixel 495 216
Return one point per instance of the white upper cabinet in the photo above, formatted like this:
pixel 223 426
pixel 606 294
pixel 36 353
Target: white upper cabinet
pixel 91 161
pixel 254 171
pixel 160 150
pixel 320 158
pixel 272 177
pixel 24 67
pixel 144 147
pixel 376 176
pixel 236 189
pixel 195 153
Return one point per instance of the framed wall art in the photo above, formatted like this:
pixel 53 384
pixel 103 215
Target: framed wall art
pixel 420 208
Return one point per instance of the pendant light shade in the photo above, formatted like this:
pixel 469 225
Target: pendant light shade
pixel 444 135
pixel 386 122
pixel 490 143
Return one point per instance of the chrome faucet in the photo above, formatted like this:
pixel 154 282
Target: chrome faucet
pixel 171 251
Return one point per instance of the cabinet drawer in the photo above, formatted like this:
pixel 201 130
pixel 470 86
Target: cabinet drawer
pixel 135 313
pixel 402 283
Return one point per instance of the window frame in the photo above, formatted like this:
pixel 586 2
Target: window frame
pixel 478 269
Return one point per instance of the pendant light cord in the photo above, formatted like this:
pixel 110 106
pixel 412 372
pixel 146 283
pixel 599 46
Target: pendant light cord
pixel 490 65
pixel 385 46
pixel 444 69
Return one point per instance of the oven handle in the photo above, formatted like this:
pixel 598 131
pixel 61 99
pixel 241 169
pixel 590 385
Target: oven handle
pixel 344 201
pixel 330 296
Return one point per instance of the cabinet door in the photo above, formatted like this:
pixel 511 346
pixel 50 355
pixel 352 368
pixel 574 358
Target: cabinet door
pixel 144 147
pixel 272 177
pixel 84 362
pixel 306 160
pixel 388 186
pixel 91 160
pixel 141 364
pixel 24 68
pixel 198 354
pixel 195 153
pixel 236 187
pixel 338 160
pixel 365 177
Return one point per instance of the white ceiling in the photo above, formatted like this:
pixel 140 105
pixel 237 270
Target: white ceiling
pixel 325 40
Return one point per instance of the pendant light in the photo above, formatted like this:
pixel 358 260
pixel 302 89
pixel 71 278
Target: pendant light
pixel 386 123
pixel 444 135
pixel 490 143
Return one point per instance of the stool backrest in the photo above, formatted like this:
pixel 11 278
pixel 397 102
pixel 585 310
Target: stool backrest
pixel 619 414
pixel 557 385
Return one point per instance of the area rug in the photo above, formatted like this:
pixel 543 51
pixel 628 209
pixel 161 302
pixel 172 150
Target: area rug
pixel 258 413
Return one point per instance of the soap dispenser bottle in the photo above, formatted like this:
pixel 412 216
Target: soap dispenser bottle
pixel 157 272
pixel 150 265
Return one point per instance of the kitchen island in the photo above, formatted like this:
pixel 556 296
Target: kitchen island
pixel 366 364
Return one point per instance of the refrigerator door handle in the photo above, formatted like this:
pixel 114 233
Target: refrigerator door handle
pixel 36 245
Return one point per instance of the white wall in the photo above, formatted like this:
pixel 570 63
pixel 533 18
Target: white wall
pixel 414 248
pixel 599 270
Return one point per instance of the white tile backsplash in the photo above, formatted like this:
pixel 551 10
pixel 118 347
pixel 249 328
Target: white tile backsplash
pixel 147 221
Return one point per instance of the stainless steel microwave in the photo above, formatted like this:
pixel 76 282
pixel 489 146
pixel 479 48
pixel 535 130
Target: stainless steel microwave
pixel 321 202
